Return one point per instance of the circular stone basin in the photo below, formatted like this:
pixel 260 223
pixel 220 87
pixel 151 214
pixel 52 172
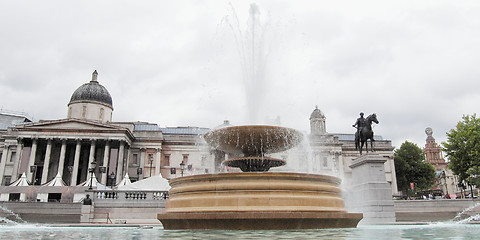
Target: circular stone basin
pixel 253 140
pixel 268 200
pixel 254 164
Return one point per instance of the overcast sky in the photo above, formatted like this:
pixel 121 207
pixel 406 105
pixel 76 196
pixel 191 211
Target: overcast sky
pixel 178 63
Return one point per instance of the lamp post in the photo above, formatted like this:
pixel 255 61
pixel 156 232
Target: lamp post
pixel 151 161
pixel 33 170
pixel 70 170
pixel 182 168
pixel 445 180
pixel 91 170
pixel 112 179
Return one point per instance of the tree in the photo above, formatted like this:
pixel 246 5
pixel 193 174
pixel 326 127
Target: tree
pixel 463 147
pixel 410 167
pixel 474 176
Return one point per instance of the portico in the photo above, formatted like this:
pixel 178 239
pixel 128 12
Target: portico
pixel 53 148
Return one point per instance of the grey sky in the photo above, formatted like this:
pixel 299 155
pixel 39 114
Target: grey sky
pixel 175 63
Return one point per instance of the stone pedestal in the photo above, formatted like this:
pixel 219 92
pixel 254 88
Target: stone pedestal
pixel 370 192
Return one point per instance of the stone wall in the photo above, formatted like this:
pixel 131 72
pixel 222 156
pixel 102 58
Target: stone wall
pixel 434 210
pixel 44 212
pixel 47 212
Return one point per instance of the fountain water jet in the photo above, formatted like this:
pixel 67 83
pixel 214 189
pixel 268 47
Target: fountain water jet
pixel 255 198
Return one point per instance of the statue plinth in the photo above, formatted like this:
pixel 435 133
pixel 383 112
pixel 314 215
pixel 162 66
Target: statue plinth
pixel 371 194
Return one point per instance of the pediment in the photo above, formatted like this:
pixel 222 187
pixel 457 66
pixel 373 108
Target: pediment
pixel 70 124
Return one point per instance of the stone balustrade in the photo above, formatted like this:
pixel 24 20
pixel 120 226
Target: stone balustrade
pixel 128 198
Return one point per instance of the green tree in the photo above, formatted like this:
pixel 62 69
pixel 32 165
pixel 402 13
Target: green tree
pixel 474 176
pixel 410 167
pixel 463 147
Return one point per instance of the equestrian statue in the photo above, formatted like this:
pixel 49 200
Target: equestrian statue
pixel 364 131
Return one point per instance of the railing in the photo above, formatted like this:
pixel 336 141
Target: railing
pixel 128 197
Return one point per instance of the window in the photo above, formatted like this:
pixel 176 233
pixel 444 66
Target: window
pixel 6 180
pixel 166 160
pixel 12 158
pixel 100 114
pixel 185 158
pixel 84 111
pixel 134 159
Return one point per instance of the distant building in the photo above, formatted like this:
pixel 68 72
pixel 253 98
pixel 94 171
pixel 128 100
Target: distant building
pixel 445 179
pixel 69 146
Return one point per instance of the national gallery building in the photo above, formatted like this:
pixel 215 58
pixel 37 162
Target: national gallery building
pixel 88 141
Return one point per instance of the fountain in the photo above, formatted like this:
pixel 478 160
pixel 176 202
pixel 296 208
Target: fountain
pixel 256 198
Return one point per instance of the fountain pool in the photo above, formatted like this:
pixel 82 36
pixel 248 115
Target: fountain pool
pixel 391 232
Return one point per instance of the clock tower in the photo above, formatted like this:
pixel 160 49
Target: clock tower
pixel 433 152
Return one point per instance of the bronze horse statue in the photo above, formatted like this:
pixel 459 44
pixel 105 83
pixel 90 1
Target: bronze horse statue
pixel 365 134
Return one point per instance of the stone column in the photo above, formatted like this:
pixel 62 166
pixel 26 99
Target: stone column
pixel 370 192
pixel 106 160
pixel 127 162
pixel 16 163
pixel 142 163
pixel 91 157
pixel 3 161
pixel 31 161
pixel 157 161
pixel 76 161
pixel 121 153
pixel 61 161
pixel 46 162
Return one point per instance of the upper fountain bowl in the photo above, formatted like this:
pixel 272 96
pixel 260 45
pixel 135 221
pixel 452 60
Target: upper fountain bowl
pixel 253 140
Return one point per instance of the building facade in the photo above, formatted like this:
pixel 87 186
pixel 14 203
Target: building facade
pixel 89 140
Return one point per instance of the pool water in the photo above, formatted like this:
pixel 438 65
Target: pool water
pixel 430 231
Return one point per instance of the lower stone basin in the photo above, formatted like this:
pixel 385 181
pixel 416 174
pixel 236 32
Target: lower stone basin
pixel 256 200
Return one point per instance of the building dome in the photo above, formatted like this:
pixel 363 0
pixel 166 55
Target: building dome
pixel 316 113
pixel 92 91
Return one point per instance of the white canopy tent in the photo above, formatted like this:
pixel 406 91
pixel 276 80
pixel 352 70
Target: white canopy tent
pixel 21 182
pixel 154 183
pixel 92 179
pixel 56 182
pixel 125 181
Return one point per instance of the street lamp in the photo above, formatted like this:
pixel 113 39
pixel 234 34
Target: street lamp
pixel 112 178
pixel 70 170
pixel 151 161
pixel 445 179
pixel 33 170
pixel 91 170
pixel 182 167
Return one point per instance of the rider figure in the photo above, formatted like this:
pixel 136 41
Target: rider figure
pixel 360 123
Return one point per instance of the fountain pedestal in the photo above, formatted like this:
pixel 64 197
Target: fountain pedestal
pixel 370 193
pixel 256 200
